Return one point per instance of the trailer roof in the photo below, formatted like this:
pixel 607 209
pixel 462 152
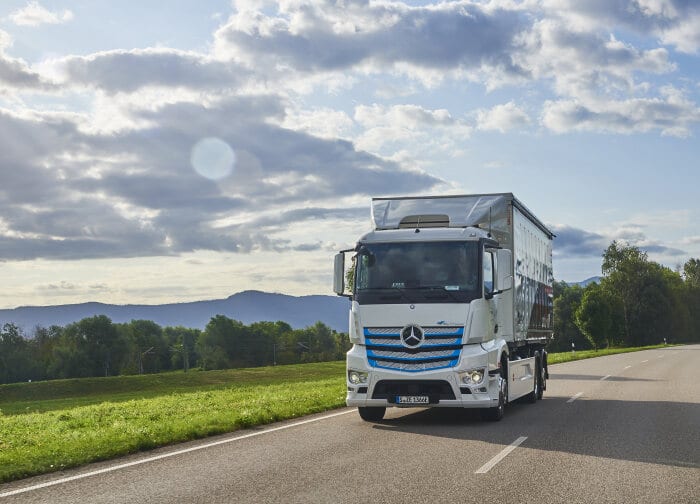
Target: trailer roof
pixel 461 210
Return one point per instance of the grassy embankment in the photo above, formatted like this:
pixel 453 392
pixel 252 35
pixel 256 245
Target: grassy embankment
pixel 48 426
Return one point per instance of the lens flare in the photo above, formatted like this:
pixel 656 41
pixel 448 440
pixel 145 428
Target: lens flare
pixel 213 158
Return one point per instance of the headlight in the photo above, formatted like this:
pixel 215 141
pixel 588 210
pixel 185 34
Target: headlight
pixel 473 376
pixel 356 377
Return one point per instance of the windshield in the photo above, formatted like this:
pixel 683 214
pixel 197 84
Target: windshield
pixel 417 272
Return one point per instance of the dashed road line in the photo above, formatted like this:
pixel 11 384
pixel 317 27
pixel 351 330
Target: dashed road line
pixel 575 397
pixel 645 361
pixel 605 377
pixel 495 460
pixel 627 367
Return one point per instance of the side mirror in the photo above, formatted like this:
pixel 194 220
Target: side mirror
pixel 504 270
pixel 339 274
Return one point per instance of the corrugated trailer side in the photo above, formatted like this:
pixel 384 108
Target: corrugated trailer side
pixel 532 275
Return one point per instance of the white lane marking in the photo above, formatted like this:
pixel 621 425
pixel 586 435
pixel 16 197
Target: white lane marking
pixel 575 397
pixel 645 361
pixel 627 367
pixel 495 460
pixel 167 455
pixel 605 377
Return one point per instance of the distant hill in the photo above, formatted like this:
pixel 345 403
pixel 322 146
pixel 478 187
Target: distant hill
pixel 248 307
pixel 584 283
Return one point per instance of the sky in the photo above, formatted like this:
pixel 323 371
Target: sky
pixel 171 151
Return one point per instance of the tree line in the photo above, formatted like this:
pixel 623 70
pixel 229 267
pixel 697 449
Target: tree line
pixel 637 302
pixel 96 346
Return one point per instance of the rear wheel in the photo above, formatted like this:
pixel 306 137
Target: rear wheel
pixel 371 413
pixel 537 385
pixel 543 378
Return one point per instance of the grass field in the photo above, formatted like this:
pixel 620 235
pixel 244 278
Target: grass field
pixel 48 426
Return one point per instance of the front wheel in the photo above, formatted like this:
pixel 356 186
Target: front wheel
pixel 496 413
pixel 371 413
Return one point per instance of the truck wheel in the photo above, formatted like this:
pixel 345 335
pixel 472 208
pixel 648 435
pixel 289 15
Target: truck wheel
pixel 543 381
pixel 537 385
pixel 495 414
pixel 371 414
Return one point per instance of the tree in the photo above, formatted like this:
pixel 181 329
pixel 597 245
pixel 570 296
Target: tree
pixel 594 316
pixel 148 350
pixel 623 268
pixel 15 357
pixel 216 343
pixel 691 273
pixel 567 299
pixel 181 341
pixel 102 344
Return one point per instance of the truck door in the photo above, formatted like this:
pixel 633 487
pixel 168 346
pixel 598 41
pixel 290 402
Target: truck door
pixel 488 279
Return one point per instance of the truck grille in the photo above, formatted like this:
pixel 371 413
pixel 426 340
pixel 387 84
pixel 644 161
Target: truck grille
pixel 440 349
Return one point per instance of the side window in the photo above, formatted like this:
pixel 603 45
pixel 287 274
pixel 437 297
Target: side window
pixel 488 272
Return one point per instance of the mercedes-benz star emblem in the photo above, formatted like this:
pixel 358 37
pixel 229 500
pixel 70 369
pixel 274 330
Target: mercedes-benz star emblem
pixel 412 336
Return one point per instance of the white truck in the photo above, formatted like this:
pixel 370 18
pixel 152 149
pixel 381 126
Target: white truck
pixel 450 305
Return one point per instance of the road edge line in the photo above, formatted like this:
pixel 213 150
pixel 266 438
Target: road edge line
pixel 117 467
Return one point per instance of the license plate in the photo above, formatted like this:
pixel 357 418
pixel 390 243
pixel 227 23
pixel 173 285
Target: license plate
pixel 410 400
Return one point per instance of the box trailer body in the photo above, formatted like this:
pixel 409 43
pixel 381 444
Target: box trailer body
pixel 451 304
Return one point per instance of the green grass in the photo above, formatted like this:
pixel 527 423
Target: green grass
pixel 37 397
pixel 80 422
pixel 48 426
pixel 557 358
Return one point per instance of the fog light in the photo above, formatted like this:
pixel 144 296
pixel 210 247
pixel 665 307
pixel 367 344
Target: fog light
pixel 356 377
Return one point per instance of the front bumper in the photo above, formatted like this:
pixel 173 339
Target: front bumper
pixel 442 386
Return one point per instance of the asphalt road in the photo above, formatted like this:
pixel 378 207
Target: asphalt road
pixel 617 429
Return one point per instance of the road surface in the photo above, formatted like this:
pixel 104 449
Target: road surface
pixel 617 429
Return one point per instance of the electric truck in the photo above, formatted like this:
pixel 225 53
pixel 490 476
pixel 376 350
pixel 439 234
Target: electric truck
pixel 450 305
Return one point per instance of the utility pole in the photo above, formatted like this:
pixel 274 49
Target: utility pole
pixel 141 356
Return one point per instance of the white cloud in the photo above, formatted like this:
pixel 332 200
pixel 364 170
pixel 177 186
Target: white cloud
pixel 418 128
pixel 674 22
pixel 328 37
pixel 502 118
pixel 5 40
pixel 321 122
pixel 671 114
pixel 33 14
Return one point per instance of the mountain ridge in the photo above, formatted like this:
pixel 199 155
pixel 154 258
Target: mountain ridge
pixel 247 306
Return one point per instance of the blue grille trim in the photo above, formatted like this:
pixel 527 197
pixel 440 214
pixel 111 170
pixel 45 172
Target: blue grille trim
pixel 385 351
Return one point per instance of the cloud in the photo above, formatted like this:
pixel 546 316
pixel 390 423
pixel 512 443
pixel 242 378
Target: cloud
pixel 66 194
pixel 674 22
pixel 672 114
pixel 33 14
pixel 15 73
pixel 586 64
pixel 502 118
pixel 323 36
pixel 572 242
pixel 129 71
pixel 576 242
pixel 386 128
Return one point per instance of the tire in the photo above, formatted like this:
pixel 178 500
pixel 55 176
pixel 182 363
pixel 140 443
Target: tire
pixel 371 414
pixel 496 413
pixel 537 385
pixel 543 380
